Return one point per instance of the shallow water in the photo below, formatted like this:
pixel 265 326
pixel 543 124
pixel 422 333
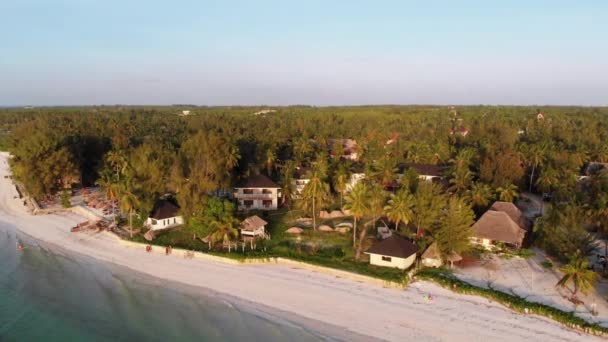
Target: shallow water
pixel 48 294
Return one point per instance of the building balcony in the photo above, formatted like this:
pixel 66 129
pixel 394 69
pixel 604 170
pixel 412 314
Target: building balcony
pixel 254 196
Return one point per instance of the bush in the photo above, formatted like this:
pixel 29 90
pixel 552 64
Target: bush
pixel 546 264
pixel 519 304
pixel 65 199
pixel 525 253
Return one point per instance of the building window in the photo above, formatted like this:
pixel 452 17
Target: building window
pixel 154 222
pixel 248 203
pixel 174 220
pixel 248 191
pixel 266 191
pixel 267 203
pixel 385 258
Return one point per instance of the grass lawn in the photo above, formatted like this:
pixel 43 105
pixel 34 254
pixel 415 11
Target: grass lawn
pixel 330 249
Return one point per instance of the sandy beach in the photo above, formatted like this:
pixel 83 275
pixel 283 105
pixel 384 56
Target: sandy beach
pixel 360 308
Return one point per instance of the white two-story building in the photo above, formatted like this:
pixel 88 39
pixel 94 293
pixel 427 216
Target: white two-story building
pixel 257 192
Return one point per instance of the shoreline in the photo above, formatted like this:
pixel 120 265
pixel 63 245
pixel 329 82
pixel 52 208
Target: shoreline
pixel 354 307
pixel 321 330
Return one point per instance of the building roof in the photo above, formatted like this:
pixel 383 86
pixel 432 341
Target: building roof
pixel 164 209
pixel 432 252
pixel 258 181
pixel 252 223
pixel 498 226
pixel 425 169
pixel 514 213
pixel 394 246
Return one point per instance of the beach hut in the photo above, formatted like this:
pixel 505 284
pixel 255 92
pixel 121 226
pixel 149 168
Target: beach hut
pixel 394 251
pixel 431 257
pixel 254 227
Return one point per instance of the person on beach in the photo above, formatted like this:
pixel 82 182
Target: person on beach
pixel 20 246
pixel 167 250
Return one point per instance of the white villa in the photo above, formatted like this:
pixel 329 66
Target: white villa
pixel 257 192
pixel 253 227
pixel 394 251
pixel 165 215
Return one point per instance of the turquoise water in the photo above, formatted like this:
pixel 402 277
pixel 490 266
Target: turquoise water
pixel 47 294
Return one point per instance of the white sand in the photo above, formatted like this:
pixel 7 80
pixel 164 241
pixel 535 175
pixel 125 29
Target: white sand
pixel 527 278
pixel 391 314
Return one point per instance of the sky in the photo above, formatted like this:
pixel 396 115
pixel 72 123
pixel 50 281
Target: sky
pixel 311 52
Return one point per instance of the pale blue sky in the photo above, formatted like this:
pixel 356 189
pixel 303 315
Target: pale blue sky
pixel 71 52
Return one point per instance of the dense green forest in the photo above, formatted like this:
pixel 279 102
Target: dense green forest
pixel 146 152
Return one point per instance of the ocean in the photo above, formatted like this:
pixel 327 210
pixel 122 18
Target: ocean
pixel 47 294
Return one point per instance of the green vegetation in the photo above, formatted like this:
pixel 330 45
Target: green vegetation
pixel 138 154
pixel 577 273
pixel 513 302
pixel 547 264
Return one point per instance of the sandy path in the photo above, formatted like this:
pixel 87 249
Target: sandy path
pixel 391 314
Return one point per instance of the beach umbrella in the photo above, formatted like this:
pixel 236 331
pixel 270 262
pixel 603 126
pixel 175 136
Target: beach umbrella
pixel 294 230
pixel 325 228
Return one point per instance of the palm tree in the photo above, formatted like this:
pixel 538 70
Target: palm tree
pixel 341 179
pixel 286 180
pixel 384 171
pixel 315 193
pixel 508 193
pixel 111 189
pixel 117 161
pixel 480 195
pixel 357 204
pixel 128 203
pixel 547 180
pixel 224 230
pixel 376 198
pixel 462 179
pixel 271 157
pixel 578 273
pixel 232 159
pixel 537 157
pixel 400 207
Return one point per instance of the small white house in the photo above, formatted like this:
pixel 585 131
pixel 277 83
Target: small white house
pixel 164 216
pixel 394 251
pixel 257 192
pixel 253 227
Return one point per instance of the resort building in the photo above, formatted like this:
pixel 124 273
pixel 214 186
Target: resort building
pixel 344 149
pixel 257 192
pixel 253 227
pixel 165 215
pixel 503 223
pixel 394 251
pixel 426 172
pixel 357 174
pixel 299 182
